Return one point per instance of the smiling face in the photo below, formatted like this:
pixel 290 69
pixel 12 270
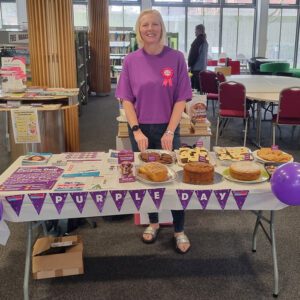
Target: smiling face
pixel 150 29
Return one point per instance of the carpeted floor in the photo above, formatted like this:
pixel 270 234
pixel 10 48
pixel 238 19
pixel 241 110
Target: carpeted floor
pixel 118 265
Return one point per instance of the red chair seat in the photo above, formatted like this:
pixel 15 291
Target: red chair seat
pixel 212 96
pixel 228 113
pixel 290 121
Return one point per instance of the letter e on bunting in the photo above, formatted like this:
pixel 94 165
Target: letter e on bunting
pixel 157 195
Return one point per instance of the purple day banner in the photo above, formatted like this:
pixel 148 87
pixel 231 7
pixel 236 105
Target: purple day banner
pixel 99 199
pixel 1 210
pixel 118 197
pixel 79 199
pixel 157 195
pixel 58 200
pixel 222 196
pixel 15 202
pixel 184 197
pixel 240 197
pixel 203 197
pixel 37 201
pixel 137 197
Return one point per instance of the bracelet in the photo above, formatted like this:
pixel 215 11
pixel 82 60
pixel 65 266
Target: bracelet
pixel 170 132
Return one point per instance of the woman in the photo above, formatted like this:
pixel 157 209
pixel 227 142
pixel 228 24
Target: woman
pixel 197 60
pixel 154 86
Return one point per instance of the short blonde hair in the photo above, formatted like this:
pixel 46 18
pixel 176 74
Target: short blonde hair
pixel 155 12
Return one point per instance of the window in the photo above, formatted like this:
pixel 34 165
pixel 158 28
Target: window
pixel 237 31
pixel 210 17
pixel 80 15
pixel 9 14
pixel 283 2
pixel 281 33
pixel 174 19
pixel 123 16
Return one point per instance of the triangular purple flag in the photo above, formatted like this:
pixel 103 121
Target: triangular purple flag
pixel 15 202
pixel 37 201
pixel 118 197
pixel 79 199
pixel 240 197
pixel 157 195
pixel 99 199
pixel 184 197
pixel 222 196
pixel 58 200
pixel 137 197
pixel 203 197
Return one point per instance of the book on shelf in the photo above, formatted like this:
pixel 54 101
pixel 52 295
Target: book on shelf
pixel 36 159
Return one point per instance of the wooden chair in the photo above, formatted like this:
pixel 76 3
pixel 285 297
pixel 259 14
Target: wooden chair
pixel 288 110
pixel 232 104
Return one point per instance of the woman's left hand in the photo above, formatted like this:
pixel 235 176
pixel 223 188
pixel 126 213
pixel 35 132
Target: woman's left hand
pixel 167 142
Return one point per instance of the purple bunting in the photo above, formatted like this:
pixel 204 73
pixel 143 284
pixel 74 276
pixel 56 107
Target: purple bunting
pixel 157 195
pixel 79 199
pixel 118 197
pixel 58 200
pixel 184 197
pixel 240 197
pixel 99 199
pixel 222 196
pixel 137 197
pixel 15 202
pixel 1 210
pixel 37 201
pixel 203 197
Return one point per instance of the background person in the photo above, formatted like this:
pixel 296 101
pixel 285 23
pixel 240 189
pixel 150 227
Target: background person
pixel 154 86
pixel 197 59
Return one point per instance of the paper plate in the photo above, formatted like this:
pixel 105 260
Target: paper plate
pixel 263 177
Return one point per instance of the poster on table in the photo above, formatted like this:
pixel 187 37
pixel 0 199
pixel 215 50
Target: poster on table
pixel 25 125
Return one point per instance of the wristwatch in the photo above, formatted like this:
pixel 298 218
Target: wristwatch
pixel 135 128
pixel 169 132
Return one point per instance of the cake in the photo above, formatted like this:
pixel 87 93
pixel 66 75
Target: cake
pixel 163 158
pixel 198 173
pixel 192 155
pixel 245 170
pixel 154 171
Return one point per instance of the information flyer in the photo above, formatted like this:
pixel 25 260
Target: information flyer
pixel 25 125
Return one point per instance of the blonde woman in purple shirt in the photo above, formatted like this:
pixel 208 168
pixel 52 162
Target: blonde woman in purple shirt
pixel 154 87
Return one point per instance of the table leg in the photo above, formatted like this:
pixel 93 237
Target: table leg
pixel 27 262
pixel 258 124
pixel 274 254
pixel 271 238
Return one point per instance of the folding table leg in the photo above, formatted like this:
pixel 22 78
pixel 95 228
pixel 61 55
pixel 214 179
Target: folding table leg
pixel 27 262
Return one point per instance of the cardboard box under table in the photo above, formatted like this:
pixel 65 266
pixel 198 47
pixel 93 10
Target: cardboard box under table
pixel 56 257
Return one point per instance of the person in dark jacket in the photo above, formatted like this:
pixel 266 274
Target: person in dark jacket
pixel 197 60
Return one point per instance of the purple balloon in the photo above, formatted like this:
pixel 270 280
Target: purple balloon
pixel 285 183
pixel 1 210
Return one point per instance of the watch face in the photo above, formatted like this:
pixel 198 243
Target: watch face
pixel 135 127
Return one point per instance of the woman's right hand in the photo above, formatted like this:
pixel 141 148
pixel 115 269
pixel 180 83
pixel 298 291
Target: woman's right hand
pixel 141 140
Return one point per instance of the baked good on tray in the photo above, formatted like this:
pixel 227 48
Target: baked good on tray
pixel 189 155
pixel 273 155
pixel 198 173
pixel 245 170
pixel 232 153
pixel 163 158
pixel 154 171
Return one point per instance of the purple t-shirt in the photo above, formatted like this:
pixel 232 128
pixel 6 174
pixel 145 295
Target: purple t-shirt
pixel 153 83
